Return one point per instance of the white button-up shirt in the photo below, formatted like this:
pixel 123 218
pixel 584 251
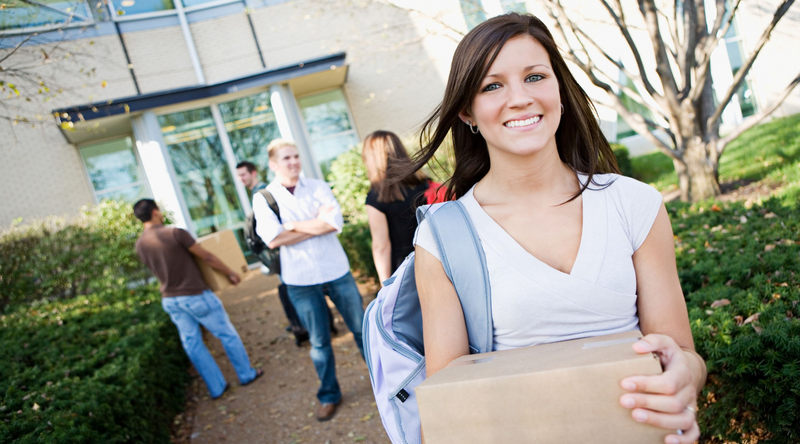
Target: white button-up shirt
pixel 316 260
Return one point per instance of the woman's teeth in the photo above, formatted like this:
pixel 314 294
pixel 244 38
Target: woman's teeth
pixel 518 123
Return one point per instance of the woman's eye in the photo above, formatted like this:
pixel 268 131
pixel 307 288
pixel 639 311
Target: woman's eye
pixel 534 78
pixel 491 87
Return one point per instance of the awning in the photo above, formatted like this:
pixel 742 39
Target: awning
pixel 78 123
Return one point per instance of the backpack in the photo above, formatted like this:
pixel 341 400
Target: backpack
pixel 393 344
pixel 270 257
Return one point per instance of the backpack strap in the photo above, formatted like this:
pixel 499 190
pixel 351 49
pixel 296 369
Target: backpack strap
pixel 464 263
pixel 272 203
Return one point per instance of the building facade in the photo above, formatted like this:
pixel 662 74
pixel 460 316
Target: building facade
pixel 168 96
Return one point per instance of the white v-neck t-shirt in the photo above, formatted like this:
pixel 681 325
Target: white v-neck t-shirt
pixel 533 303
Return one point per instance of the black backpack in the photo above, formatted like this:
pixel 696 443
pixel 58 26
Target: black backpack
pixel 271 257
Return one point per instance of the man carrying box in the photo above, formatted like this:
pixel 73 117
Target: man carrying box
pixel 168 251
pixel 313 262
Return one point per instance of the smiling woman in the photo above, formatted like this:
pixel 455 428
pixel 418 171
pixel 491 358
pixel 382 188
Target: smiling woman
pixel 572 249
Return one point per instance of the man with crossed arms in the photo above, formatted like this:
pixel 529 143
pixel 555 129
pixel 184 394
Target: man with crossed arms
pixel 312 260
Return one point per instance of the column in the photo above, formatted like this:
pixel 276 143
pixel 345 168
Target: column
pixel 158 169
pixel 291 127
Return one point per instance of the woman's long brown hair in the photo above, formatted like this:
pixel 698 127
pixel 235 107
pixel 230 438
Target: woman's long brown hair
pixel 383 150
pixel 581 144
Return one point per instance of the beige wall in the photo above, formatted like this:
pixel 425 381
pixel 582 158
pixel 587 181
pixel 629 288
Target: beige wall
pixel 395 56
pixel 160 59
pixel 40 173
pixel 229 54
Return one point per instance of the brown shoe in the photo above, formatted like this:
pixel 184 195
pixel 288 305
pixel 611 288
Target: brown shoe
pixel 326 411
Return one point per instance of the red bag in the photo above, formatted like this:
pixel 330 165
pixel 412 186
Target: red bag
pixel 435 193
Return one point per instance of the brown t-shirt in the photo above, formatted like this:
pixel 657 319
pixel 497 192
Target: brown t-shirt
pixel 165 250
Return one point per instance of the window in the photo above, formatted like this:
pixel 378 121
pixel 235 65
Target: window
pixel 473 13
pixel 202 170
pixel 329 126
pixel 251 126
pixel 623 129
pixel 114 170
pixel 127 7
pixel 17 14
pixel 733 43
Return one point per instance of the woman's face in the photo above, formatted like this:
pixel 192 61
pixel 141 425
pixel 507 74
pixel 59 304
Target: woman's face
pixel 518 107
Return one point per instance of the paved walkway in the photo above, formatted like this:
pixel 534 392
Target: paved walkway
pixel 278 407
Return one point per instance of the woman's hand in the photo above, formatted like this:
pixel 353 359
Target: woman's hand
pixel 668 400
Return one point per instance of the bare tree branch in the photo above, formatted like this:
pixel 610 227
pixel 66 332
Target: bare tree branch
pixel 712 121
pixel 663 68
pixel 754 120
pixel 623 27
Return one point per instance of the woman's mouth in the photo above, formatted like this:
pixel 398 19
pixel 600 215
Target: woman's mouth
pixel 520 123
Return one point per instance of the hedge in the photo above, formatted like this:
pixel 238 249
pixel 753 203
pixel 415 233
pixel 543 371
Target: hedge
pixel 739 271
pixel 87 354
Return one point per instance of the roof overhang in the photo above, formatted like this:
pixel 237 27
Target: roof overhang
pixel 93 121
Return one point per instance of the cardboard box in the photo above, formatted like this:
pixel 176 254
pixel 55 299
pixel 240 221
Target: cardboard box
pixel 565 392
pixel 224 245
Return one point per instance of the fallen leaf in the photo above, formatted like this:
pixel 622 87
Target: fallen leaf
pixel 308 427
pixel 367 417
pixel 743 219
pixel 35 407
pixel 230 419
pixel 769 247
pixel 776 295
pixel 720 303
pixel 752 318
pixel 730 281
pixel 757 329
pixel 739 320
pixel 716 208
pixel 782 284
pixel 770 215
pixel 359 438
pixel 209 427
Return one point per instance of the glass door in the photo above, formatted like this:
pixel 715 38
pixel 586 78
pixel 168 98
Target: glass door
pixel 202 172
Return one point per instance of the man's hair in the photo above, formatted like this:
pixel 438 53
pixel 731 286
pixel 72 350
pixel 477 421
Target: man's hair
pixel 143 210
pixel 245 164
pixel 277 144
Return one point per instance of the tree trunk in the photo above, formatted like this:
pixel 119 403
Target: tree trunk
pixel 698 175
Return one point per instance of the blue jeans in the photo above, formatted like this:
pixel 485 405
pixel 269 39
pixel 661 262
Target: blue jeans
pixel 309 301
pixel 188 313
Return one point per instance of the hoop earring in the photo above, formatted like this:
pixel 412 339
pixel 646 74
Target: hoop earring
pixel 475 131
pixel 562 109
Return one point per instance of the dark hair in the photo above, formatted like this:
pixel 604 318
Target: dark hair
pixel 383 150
pixel 245 164
pixel 581 144
pixel 143 210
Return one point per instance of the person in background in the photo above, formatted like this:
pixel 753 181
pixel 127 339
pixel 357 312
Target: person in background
pixel 313 262
pixel 572 248
pixel 391 208
pixel 168 252
pixel 248 174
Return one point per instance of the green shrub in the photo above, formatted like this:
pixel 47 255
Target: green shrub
pixel 101 368
pixel 57 258
pixel 87 355
pixel 357 243
pixel 745 260
pixel 623 159
pixel 348 179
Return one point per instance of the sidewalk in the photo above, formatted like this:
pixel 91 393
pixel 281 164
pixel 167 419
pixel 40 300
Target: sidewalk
pixel 278 407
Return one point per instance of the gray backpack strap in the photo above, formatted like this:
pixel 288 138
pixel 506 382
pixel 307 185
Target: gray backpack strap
pixel 272 203
pixel 464 263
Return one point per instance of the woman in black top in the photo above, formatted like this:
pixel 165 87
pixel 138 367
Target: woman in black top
pixel 390 208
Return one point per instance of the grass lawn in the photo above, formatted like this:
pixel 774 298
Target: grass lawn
pixel 769 152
